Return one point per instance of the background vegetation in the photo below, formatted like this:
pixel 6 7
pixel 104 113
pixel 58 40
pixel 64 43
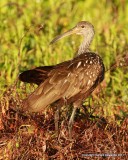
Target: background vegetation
pixel 27 27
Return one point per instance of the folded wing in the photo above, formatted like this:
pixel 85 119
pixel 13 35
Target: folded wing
pixel 64 81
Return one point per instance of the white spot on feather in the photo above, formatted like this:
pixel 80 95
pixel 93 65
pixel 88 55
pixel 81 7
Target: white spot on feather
pixel 65 81
pixel 89 81
pixel 87 73
pixel 79 63
pixel 69 74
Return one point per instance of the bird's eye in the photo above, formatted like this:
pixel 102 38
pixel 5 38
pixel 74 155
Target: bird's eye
pixel 82 26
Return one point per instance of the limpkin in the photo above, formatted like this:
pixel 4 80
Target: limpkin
pixel 69 82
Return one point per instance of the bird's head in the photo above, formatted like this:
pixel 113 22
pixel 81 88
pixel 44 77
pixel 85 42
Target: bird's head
pixel 83 28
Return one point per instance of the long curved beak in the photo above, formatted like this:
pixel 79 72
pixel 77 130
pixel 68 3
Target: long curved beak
pixel 71 31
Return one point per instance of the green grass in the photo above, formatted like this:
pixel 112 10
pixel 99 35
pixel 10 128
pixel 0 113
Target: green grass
pixel 28 26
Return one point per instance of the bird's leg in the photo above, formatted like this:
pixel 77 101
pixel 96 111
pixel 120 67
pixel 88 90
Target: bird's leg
pixel 76 105
pixel 57 112
pixel 71 122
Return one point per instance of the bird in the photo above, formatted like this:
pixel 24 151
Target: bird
pixel 69 82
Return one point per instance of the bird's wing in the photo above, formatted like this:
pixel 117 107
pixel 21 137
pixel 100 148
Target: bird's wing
pixel 63 82
pixel 36 75
pixel 39 74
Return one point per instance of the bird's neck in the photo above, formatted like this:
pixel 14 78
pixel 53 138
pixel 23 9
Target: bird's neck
pixel 84 47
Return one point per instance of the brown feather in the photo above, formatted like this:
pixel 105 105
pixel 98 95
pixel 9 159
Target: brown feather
pixel 37 75
pixel 71 82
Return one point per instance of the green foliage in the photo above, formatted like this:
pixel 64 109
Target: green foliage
pixel 27 27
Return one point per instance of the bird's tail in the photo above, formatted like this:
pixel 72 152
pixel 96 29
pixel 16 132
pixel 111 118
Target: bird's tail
pixel 36 76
